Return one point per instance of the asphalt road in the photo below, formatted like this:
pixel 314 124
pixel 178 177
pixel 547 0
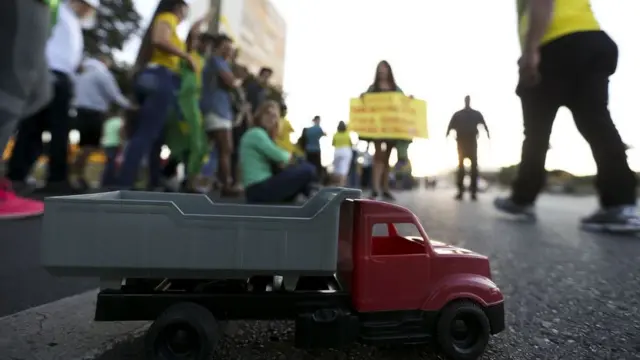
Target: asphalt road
pixel 23 283
pixel 569 294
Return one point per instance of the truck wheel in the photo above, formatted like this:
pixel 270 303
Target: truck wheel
pixel 183 331
pixel 463 331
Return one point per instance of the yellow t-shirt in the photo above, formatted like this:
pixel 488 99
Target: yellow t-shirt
pixel 341 140
pixel 159 57
pixel 284 137
pixel 569 16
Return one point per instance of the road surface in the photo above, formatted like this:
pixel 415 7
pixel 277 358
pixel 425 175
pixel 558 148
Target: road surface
pixel 569 294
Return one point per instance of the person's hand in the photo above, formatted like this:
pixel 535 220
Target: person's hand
pixel 528 64
pixel 191 62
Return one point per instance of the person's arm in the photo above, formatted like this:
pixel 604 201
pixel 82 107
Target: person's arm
pixel 224 71
pixel 271 150
pixel 113 91
pixel 540 13
pixel 451 125
pixel 196 28
pixel 484 124
pixel 161 36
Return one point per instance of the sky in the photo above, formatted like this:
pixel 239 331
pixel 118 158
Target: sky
pixel 441 51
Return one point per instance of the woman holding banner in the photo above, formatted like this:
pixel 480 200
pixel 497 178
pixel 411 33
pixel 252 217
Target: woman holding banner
pixel 384 81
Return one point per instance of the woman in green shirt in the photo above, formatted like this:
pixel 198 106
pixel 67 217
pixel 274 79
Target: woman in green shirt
pixel 269 173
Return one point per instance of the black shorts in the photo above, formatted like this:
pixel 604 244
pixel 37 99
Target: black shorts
pixel 89 124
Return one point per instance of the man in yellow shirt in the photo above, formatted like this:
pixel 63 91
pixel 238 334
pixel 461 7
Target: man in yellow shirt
pixel 566 61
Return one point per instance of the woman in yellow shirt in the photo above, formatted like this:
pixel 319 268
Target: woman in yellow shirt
pixel 283 139
pixel 342 154
pixel 156 85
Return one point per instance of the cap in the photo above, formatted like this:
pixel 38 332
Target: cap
pixel 93 3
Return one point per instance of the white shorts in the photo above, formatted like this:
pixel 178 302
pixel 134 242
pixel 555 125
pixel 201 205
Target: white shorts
pixel 213 121
pixel 342 161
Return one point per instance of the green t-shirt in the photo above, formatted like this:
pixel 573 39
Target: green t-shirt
pixel 111 132
pixel 257 155
pixel 402 147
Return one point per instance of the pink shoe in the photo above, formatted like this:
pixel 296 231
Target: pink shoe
pixel 15 207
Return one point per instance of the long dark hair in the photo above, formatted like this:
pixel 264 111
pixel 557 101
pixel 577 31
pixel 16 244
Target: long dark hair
pixel 376 79
pixel 144 53
pixel 342 127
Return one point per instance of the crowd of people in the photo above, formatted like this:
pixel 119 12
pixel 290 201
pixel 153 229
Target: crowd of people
pixel 193 96
pixel 217 119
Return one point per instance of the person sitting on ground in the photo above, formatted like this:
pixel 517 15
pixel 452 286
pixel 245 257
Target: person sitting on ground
pixel 342 153
pixel 258 155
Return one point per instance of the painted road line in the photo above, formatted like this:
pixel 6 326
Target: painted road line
pixel 62 330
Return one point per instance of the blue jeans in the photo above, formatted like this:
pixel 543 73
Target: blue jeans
pixel 283 186
pixel 156 89
pixel 109 172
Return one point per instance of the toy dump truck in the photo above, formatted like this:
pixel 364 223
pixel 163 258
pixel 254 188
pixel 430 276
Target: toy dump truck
pixel 338 265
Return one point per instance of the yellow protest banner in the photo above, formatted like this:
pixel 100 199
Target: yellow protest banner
pixel 388 115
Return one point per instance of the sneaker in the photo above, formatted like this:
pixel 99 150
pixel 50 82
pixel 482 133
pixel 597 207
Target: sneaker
pixel 622 219
pixel 458 196
pixel 387 196
pixel 474 197
pixel 507 205
pixel 374 195
pixel 15 207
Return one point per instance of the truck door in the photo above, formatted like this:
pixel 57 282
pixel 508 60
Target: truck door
pixel 397 272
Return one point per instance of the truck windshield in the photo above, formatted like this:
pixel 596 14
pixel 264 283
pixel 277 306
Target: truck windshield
pixel 396 239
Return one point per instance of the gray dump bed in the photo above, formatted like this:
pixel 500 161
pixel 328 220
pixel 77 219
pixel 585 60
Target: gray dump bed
pixel 157 235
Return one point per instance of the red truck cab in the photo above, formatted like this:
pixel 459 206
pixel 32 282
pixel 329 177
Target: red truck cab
pixel 401 281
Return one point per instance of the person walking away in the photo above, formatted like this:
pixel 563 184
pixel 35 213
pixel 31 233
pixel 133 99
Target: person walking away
pixel 256 88
pixel 24 31
pixel 567 60
pixel 259 155
pixel 216 105
pixel 156 86
pixel 111 142
pixel 465 123
pixel 96 89
pixel 64 51
pixel 312 150
pixel 342 153
pixel 384 81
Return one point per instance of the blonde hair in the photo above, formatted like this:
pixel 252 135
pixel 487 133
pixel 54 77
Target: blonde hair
pixel 262 110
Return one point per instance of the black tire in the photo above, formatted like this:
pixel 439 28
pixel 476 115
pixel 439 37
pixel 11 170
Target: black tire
pixel 183 331
pixel 463 331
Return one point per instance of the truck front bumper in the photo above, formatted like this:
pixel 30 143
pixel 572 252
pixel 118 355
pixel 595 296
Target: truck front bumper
pixel 495 313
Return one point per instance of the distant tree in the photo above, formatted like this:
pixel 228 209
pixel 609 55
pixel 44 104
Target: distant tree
pixel 116 22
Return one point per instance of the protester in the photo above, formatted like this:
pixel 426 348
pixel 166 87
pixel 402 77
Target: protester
pixel 216 105
pixel 111 142
pixel 312 149
pixel 95 90
pixel 64 52
pixel 384 81
pixel 285 129
pixel 242 111
pixel 256 88
pixel 342 153
pixel 465 123
pixel 269 173
pixel 25 28
pixel 567 60
pixel 157 84
pixel 186 137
